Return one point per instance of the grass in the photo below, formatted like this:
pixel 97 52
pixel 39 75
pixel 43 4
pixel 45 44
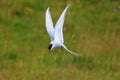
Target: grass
pixel 91 29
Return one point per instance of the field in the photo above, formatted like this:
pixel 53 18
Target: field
pixel 91 29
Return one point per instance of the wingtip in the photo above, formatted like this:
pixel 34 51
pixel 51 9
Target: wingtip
pixel 48 8
pixel 48 11
pixel 69 4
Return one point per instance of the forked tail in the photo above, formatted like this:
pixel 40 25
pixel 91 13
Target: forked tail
pixel 70 51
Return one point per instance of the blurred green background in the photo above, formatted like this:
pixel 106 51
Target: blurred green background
pixel 91 29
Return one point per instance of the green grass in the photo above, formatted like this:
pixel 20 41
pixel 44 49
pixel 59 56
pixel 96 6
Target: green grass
pixel 91 29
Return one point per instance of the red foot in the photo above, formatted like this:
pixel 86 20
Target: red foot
pixel 62 48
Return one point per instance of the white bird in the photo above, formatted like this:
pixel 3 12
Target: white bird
pixel 56 34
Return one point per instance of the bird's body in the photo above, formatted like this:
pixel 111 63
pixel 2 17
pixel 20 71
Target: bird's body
pixel 56 34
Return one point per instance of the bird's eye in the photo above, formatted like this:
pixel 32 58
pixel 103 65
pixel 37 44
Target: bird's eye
pixel 50 46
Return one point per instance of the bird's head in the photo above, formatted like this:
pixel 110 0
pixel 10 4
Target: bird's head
pixel 50 47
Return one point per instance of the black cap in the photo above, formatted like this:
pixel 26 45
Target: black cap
pixel 49 47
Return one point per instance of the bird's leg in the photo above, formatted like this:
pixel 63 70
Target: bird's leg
pixel 62 48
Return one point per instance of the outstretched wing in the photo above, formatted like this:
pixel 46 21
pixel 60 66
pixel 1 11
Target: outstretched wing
pixel 69 50
pixel 49 24
pixel 59 26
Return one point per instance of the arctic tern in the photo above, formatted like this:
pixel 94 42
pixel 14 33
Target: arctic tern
pixel 56 34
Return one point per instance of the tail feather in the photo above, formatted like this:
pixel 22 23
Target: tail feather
pixel 73 53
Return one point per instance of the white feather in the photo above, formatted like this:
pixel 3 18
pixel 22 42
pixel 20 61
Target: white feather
pixel 73 53
pixel 49 25
pixel 59 26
